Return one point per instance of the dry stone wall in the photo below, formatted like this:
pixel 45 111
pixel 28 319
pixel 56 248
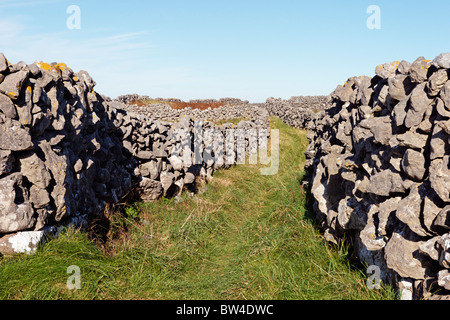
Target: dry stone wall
pixel 129 98
pixel 298 111
pixel 163 111
pixel 66 151
pixel 379 165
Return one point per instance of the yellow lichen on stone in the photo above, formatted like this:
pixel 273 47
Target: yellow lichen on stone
pixel 29 89
pixel 57 68
pixel 12 95
pixel 45 66
pixel 75 78
pixel 61 66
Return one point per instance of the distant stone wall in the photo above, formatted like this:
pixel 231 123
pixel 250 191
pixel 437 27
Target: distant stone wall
pixel 127 98
pixel 163 111
pixel 379 165
pixel 298 112
pixel 66 151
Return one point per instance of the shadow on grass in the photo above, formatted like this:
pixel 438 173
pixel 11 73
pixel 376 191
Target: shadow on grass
pixel 115 221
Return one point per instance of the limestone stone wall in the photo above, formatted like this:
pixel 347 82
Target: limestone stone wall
pixel 298 111
pixel 66 151
pixel 379 165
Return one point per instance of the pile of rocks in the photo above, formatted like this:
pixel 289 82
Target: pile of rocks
pixel 298 112
pixel 379 163
pixel 66 152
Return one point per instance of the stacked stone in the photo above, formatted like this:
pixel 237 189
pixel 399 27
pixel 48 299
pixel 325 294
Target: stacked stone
pixel 221 100
pixel 298 112
pixel 379 172
pixel 233 101
pixel 66 152
pixel 317 103
pixel 127 98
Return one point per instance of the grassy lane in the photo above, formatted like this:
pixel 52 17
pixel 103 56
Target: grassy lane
pixel 247 237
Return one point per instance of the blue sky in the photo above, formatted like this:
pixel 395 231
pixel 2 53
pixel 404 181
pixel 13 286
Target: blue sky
pixel 249 49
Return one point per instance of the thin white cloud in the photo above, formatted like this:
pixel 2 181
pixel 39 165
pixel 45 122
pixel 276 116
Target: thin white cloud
pixel 9 30
pixel 123 37
pixel 17 3
pixel 120 63
pixel 18 42
pixel 115 60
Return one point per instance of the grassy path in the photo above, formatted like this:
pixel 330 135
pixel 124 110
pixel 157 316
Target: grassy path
pixel 247 237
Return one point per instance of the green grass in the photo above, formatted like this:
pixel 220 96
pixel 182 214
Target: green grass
pixel 247 237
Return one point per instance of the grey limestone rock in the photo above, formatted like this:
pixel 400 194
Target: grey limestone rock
pixel 13 136
pixel 16 212
pixel 6 162
pixel 413 164
pixel 442 61
pixel 7 106
pixel 401 256
pixel 12 84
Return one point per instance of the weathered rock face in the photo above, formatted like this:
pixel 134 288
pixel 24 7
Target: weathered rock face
pixel 378 163
pixel 66 151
